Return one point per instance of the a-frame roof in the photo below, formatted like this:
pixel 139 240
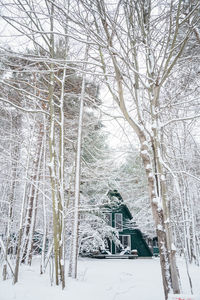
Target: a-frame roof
pixel 120 205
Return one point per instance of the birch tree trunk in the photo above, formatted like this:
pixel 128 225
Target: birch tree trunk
pixel 42 264
pixel 52 151
pixel 61 185
pixel 75 230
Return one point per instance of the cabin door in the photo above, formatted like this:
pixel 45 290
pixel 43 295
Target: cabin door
pixel 125 241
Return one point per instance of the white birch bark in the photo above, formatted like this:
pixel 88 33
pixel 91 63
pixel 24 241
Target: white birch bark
pixel 42 264
pixel 75 231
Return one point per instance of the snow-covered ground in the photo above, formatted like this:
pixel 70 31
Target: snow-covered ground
pixel 106 279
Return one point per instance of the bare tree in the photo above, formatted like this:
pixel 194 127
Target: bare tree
pixel 138 45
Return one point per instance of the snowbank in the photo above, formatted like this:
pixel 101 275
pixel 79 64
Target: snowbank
pixel 138 279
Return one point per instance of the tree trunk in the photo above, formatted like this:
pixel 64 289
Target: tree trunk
pixel 20 234
pixel 42 265
pixel 74 239
pixel 157 192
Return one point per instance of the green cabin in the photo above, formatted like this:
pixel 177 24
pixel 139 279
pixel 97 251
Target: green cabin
pixel 119 216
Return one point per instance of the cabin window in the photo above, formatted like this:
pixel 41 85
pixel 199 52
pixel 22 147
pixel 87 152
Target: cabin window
pixel 155 242
pixel 119 222
pixel 108 217
pixel 126 243
pixel 125 240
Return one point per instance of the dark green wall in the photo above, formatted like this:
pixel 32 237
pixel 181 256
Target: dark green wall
pixel 137 240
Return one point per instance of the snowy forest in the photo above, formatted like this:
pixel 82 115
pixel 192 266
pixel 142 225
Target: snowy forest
pixel 98 96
